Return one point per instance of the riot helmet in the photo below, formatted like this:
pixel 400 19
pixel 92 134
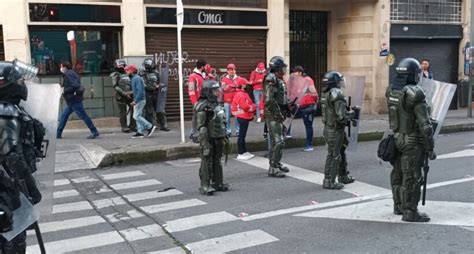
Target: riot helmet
pixel 21 70
pixel 211 91
pixel 148 64
pixel 408 71
pixel 5 68
pixel 119 65
pixel 333 79
pixel 277 64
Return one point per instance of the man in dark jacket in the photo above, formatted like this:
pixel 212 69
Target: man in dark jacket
pixel 74 95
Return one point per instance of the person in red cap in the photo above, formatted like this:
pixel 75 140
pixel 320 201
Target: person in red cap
pixel 243 109
pixel 138 103
pixel 230 83
pixel 195 82
pixel 256 80
pixel 210 72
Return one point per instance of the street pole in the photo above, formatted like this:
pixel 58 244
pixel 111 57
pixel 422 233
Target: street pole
pixel 179 21
pixel 471 63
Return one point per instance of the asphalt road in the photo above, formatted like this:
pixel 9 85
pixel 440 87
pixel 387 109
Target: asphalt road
pixel 124 209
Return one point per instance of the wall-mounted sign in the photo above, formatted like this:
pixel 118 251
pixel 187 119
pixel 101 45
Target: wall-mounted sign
pixel 384 51
pixel 167 16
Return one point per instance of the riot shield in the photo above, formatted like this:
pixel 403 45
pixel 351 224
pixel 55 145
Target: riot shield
pixel 354 92
pixel 296 88
pixel 23 217
pixel 164 79
pixel 438 97
pixel 43 104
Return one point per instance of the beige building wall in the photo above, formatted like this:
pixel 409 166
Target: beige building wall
pixel 15 30
pixel 133 20
pixel 277 29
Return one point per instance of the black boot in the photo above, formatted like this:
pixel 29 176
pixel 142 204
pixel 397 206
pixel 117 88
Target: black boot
pixel 415 216
pixel 328 184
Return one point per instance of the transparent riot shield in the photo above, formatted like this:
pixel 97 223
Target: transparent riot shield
pixel 354 92
pixel 296 88
pixel 23 217
pixel 438 96
pixel 43 104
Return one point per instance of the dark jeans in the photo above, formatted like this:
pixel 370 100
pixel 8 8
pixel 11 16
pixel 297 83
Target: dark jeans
pixel 77 108
pixel 244 125
pixel 308 117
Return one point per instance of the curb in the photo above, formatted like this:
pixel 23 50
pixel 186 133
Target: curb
pixel 189 150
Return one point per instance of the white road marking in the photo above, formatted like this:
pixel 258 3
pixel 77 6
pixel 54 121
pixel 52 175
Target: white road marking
pixel 176 250
pixel 459 154
pixel 72 207
pixel 471 145
pixel 108 202
pixel 441 184
pixel 441 212
pixel 122 175
pixel 136 184
pixel 65 194
pixel 151 195
pixel 199 221
pixel 140 233
pixel 85 179
pixel 172 206
pixel 116 217
pixel 232 242
pixel 70 224
pixel 61 182
pixel 357 188
pixel 79 243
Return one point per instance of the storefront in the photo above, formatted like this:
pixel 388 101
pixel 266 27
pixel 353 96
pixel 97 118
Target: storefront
pixel 218 36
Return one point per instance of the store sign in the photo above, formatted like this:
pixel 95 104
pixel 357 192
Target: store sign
pixel 167 16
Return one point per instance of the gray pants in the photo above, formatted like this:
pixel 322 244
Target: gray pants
pixel 194 124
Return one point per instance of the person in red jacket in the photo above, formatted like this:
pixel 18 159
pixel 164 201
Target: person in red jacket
pixel 306 109
pixel 230 83
pixel 210 72
pixel 243 109
pixel 256 80
pixel 195 82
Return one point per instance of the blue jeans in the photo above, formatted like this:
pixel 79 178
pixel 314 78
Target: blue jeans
pixel 142 123
pixel 308 117
pixel 77 108
pixel 228 115
pixel 257 95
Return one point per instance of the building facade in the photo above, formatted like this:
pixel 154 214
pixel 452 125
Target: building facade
pixel 353 37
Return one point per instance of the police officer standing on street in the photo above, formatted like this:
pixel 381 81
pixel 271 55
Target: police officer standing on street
pixel 123 95
pixel 275 110
pixel 336 117
pixel 409 119
pixel 211 128
pixel 152 79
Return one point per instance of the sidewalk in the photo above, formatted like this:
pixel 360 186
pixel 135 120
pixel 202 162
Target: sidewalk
pixel 113 147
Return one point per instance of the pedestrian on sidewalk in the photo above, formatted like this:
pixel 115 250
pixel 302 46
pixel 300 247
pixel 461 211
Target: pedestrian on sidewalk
pixel 306 109
pixel 243 109
pixel 139 101
pixel 195 82
pixel 256 80
pixel 123 95
pixel 425 68
pixel 230 83
pixel 74 96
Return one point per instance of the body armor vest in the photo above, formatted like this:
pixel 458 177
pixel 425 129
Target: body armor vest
pixel 400 119
pixel 216 123
pixel 327 108
pixel 124 82
pixel 151 80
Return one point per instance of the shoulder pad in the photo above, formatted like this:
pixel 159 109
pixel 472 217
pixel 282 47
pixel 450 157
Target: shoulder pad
pixel 414 93
pixel 142 72
pixel 271 78
pixel 8 109
pixel 336 94
pixel 114 74
pixel 201 105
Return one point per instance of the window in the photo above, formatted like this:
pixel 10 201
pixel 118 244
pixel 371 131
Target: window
pixel 74 13
pixel 90 50
pixel 443 11
pixel 227 3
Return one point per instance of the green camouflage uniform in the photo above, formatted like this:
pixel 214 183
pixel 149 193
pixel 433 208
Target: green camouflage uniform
pixel 152 79
pixel 121 85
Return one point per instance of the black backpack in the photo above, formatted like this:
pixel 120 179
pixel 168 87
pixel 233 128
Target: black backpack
pixel 387 150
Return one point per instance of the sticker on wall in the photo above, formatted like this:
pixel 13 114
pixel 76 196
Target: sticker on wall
pixel 384 49
pixel 390 60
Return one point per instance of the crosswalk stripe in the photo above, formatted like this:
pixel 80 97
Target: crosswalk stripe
pixel 176 250
pixel 61 182
pixel 108 202
pixel 116 217
pixel 102 203
pixel 172 206
pixel 79 243
pixel 85 179
pixel 70 224
pixel 199 221
pixel 356 188
pixel 71 207
pixel 140 233
pixel 122 175
pixel 65 194
pixel 136 184
pixel 227 243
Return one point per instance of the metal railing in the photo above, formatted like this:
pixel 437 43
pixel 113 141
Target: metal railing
pixel 439 11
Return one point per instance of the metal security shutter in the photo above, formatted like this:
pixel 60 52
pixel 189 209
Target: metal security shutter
pixel 244 48
pixel 2 49
pixel 442 54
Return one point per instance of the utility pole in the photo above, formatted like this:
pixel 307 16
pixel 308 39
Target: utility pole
pixel 471 63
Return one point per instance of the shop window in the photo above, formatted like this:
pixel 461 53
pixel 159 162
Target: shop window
pixel 442 11
pixel 89 50
pixel 226 3
pixel 40 12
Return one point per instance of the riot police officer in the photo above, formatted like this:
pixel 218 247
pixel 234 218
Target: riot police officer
pixel 336 117
pixel 275 109
pixel 211 128
pixel 152 79
pixel 123 95
pixel 409 119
